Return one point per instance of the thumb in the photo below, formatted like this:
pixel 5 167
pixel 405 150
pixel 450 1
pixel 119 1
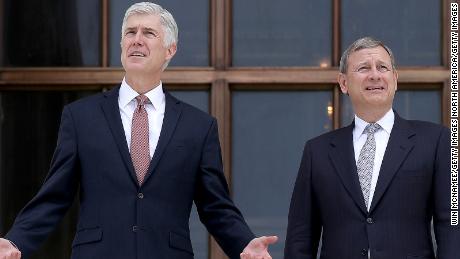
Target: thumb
pixel 269 240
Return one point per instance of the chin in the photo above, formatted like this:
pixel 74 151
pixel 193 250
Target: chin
pixel 135 67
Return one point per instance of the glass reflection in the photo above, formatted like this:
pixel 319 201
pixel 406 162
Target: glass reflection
pixel 29 122
pixel 412 29
pixel 51 33
pixel 269 130
pixel 281 33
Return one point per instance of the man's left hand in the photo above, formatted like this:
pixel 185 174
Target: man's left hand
pixel 258 248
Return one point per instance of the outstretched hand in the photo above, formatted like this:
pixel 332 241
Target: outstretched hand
pixel 8 251
pixel 258 248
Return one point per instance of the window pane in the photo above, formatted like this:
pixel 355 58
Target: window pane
pixel 51 33
pixel 199 99
pixel 198 232
pixel 193 47
pixel 412 28
pixel 409 104
pixel 29 122
pixel 281 33
pixel 269 130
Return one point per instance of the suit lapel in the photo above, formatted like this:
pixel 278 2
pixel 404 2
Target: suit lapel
pixel 112 114
pixel 173 109
pixel 398 147
pixel 342 157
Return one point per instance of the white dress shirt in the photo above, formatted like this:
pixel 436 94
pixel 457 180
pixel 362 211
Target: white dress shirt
pixel 381 140
pixel 155 110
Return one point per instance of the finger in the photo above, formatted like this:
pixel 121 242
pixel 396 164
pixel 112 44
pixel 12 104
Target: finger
pixel 269 240
pixel 15 255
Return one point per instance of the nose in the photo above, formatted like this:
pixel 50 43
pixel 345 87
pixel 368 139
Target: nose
pixel 138 38
pixel 374 74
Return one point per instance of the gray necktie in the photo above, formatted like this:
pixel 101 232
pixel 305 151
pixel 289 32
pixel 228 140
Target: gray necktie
pixel 365 163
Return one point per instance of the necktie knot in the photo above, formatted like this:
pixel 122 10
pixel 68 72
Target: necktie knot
pixel 141 100
pixel 371 128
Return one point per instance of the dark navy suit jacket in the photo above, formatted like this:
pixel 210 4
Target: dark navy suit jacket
pixel 413 188
pixel 119 219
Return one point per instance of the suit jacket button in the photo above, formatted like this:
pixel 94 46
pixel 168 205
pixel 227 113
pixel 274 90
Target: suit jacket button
pixel 364 252
pixel 140 195
pixel 135 228
pixel 370 220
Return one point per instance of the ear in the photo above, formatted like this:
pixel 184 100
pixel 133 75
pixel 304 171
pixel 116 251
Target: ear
pixel 342 80
pixel 395 77
pixel 171 51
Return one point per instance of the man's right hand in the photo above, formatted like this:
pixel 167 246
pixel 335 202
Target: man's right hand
pixel 8 251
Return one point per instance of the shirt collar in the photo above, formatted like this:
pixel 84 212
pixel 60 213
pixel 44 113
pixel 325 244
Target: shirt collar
pixel 386 122
pixel 127 94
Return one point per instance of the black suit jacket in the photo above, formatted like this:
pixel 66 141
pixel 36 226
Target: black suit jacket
pixel 119 219
pixel 413 188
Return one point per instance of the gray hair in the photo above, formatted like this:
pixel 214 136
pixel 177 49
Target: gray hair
pixel 168 23
pixel 363 43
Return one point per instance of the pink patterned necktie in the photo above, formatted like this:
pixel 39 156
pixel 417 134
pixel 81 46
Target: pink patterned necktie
pixel 140 151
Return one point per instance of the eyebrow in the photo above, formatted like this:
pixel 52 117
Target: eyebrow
pixel 143 28
pixel 378 62
pixel 150 30
pixel 130 28
pixel 362 63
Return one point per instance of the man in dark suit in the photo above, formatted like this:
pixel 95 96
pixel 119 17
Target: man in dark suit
pixel 372 188
pixel 139 159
